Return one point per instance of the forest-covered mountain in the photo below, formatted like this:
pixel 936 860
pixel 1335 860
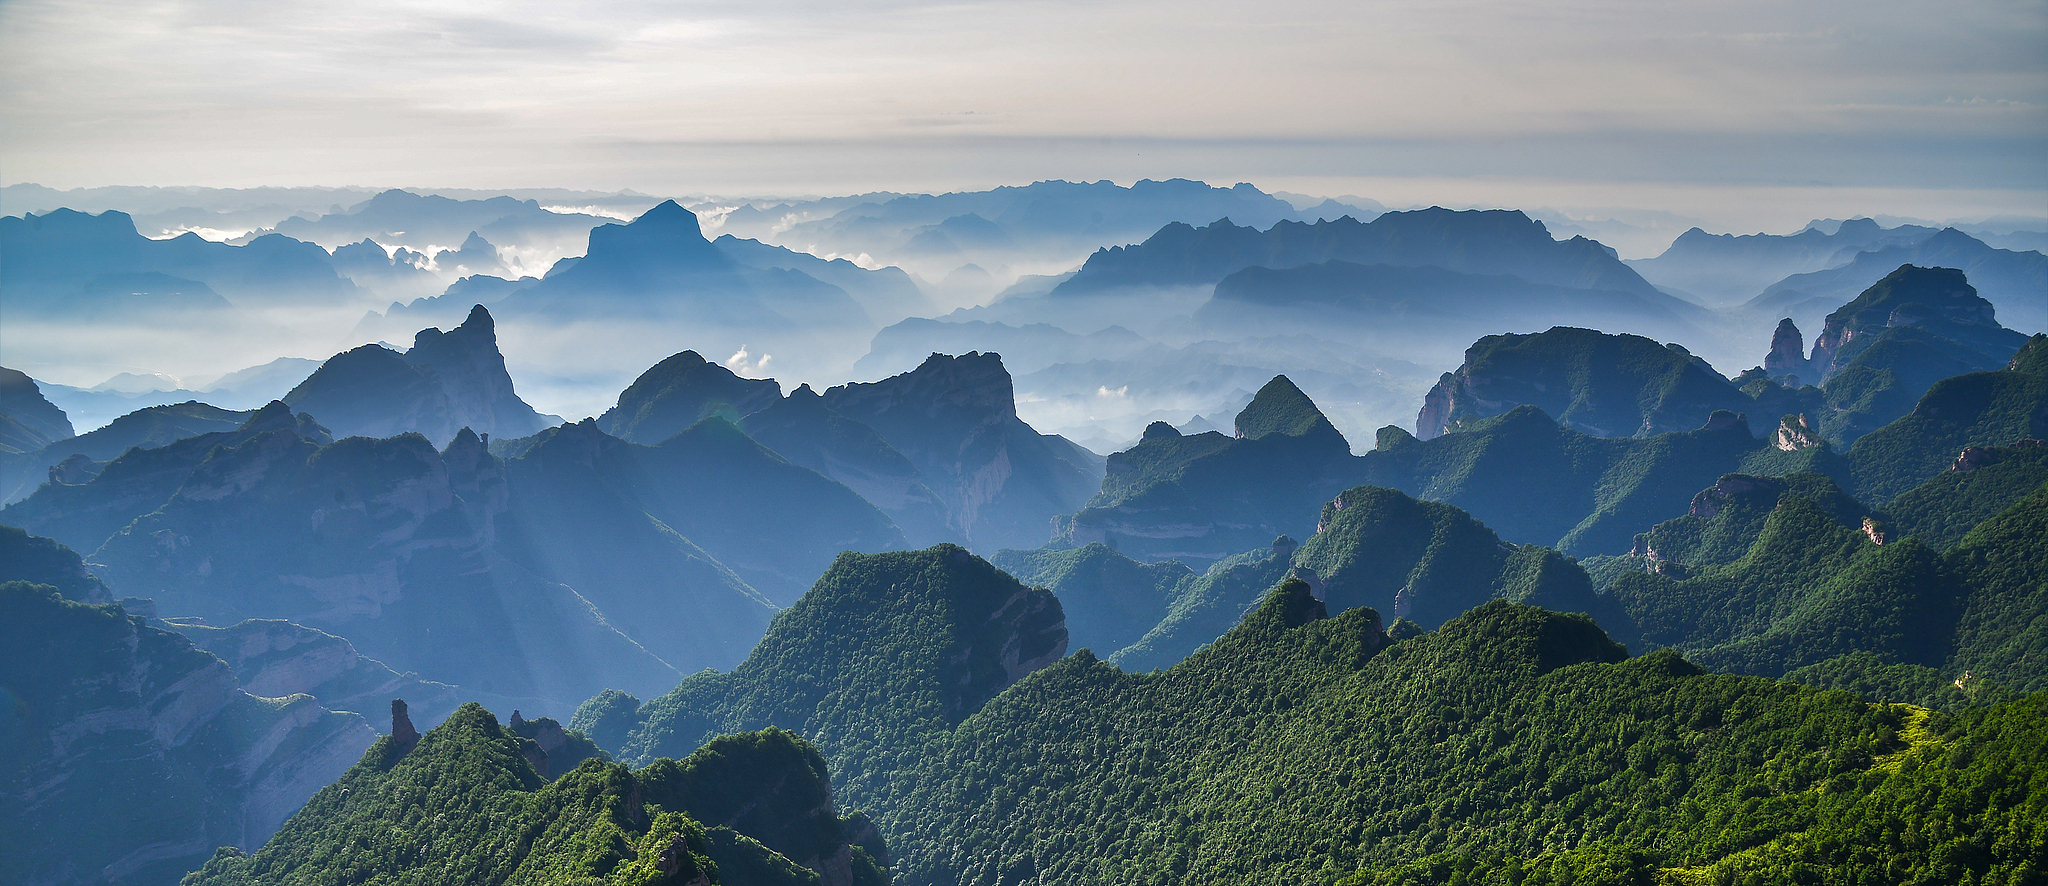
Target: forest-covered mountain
pixel 1309 745
pixel 481 808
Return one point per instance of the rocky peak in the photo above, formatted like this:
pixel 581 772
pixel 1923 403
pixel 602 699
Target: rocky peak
pixel 448 380
pixel 1788 355
pixel 667 236
pixel 1724 420
pixel 965 391
pixel 679 392
pixel 1282 409
pixel 1710 500
pixel 1796 432
pixel 403 735
pixel 1939 300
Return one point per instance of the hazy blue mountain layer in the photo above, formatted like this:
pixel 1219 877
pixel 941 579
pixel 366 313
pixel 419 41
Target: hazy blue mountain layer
pixel 102 704
pixel 447 381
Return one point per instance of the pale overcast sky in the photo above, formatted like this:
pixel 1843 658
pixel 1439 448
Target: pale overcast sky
pixel 1831 107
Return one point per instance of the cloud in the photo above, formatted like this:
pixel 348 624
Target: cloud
pixel 743 364
pixel 781 97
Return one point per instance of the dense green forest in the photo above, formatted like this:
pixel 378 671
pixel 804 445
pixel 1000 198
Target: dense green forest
pixel 464 804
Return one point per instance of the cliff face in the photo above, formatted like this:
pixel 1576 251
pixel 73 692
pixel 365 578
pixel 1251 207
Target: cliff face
pixel 386 542
pixel 1788 354
pixel 276 658
pixel 28 421
pixel 955 418
pixel 115 714
pixel 804 430
pixel 1938 300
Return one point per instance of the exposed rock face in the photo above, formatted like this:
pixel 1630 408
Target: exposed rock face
pixel 1939 300
pixel 1796 432
pixel 28 421
pixel 446 382
pixel 1974 457
pixel 403 733
pixel 955 418
pixel 1439 404
pixel 152 725
pixel 276 658
pixel 1709 500
pixel 1874 531
pixel 1020 634
pixel 1788 355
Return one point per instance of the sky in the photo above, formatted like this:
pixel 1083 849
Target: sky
pixel 1759 115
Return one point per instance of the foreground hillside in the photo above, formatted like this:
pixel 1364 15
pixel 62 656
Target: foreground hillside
pixel 470 802
pixel 1513 744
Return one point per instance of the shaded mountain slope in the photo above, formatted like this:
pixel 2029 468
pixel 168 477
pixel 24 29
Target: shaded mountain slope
pixel 134 754
pixel 447 381
pixel 1110 600
pixel 955 418
pixel 82 510
pixel 1604 385
pixel 31 420
pixel 679 392
pixel 1207 496
pixel 385 542
pixel 804 430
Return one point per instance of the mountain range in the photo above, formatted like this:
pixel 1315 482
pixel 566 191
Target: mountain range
pixel 1607 615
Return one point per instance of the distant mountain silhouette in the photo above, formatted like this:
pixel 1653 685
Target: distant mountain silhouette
pixel 446 382
pixel 1391 306
pixel 1041 220
pixel 421 220
pixel 884 293
pixel 1722 269
pixel 660 267
pixel 400 276
pixel 2015 282
pixel 1469 242
pixel 69 263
